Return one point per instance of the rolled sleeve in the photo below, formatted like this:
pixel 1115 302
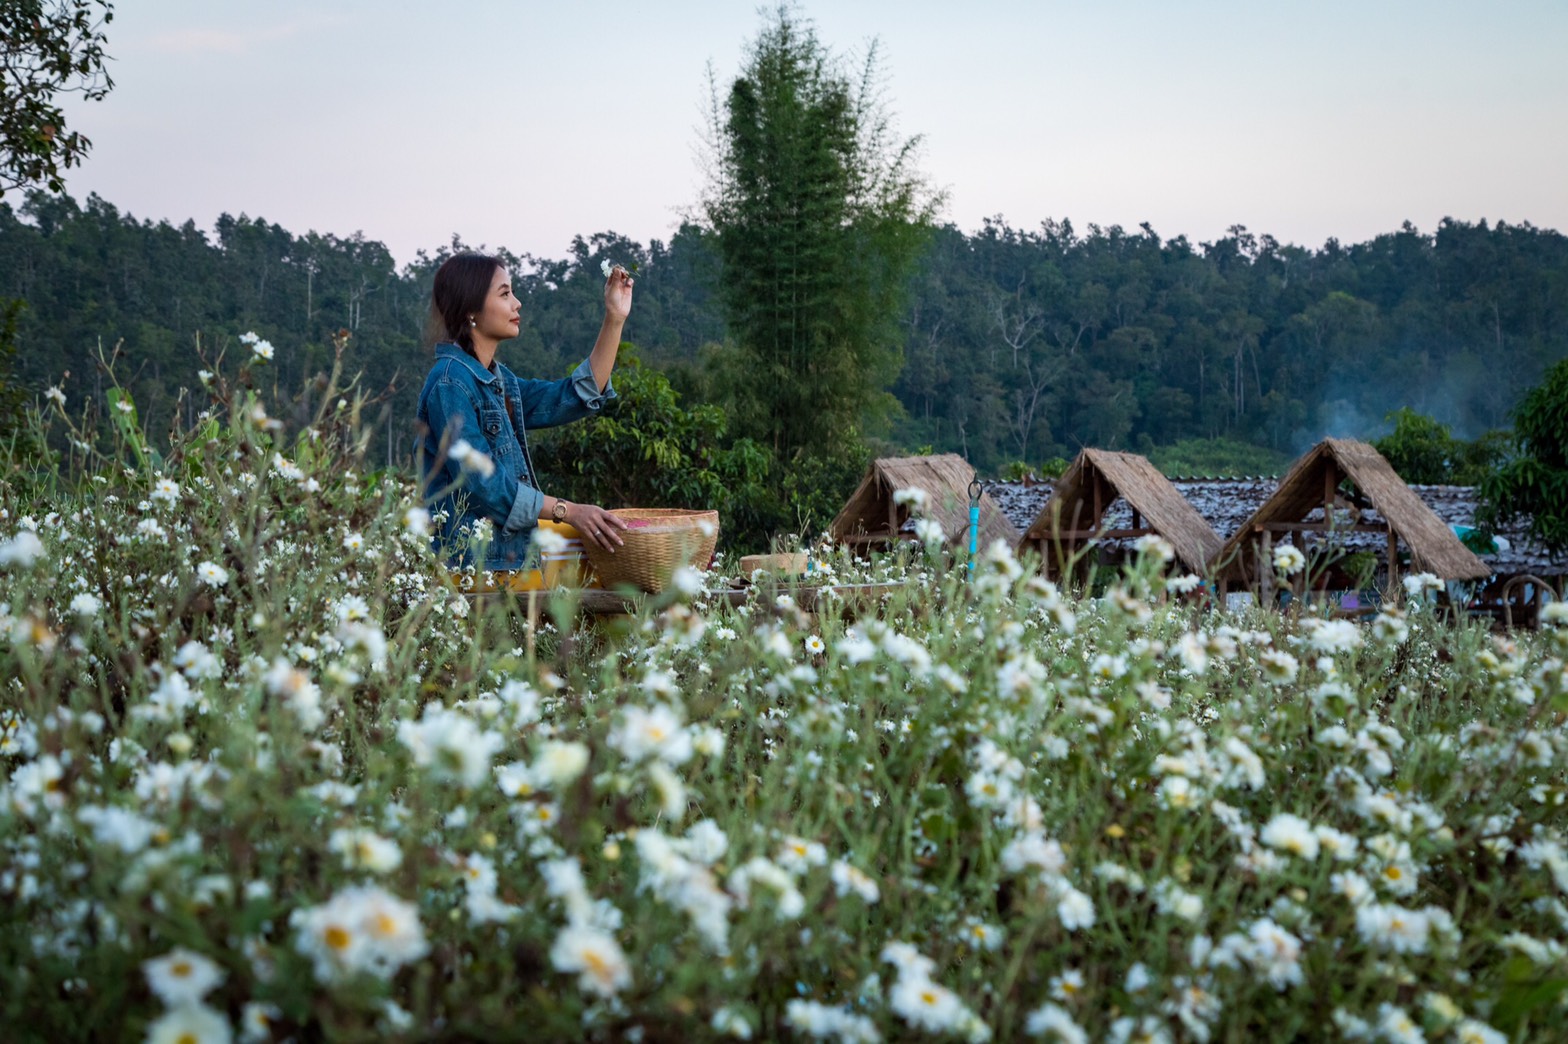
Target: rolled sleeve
pixel 525 508
pixel 587 388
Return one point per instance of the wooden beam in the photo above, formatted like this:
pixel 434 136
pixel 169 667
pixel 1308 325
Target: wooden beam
pixel 1393 567
pixel 1319 527
pixel 1266 570
pixel 808 597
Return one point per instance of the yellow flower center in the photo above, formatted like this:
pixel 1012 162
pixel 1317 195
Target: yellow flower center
pixel 598 967
pixel 336 937
pixel 180 969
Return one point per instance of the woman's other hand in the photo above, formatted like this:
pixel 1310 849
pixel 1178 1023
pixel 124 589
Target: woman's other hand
pixel 596 525
pixel 618 294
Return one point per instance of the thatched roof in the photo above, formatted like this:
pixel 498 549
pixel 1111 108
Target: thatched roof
pixel 871 512
pixel 1073 506
pixel 1315 476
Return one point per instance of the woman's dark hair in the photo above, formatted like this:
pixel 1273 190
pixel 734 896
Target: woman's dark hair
pixel 462 284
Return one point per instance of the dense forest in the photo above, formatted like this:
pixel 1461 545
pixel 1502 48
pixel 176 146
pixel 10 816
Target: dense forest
pixel 1019 345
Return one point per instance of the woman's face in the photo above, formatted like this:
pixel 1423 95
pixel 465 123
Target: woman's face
pixel 500 319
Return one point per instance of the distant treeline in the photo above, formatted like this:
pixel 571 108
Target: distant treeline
pixel 1018 344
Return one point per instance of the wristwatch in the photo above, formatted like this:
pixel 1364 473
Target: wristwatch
pixel 558 513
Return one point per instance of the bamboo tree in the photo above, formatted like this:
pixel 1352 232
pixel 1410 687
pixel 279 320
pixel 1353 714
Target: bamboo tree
pixel 820 217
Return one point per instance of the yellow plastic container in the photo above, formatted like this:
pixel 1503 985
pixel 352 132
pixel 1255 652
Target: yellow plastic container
pixel 567 567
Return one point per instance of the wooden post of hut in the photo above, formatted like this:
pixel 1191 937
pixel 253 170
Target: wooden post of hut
pixel 1308 501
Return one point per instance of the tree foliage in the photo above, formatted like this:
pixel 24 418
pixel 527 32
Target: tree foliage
pixel 1122 334
pixel 1193 458
pixel 819 216
pixel 1534 482
pixel 1419 448
pixel 1424 450
pixel 13 398
pixel 1027 343
pixel 47 48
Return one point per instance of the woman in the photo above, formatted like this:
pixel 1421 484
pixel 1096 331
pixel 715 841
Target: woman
pixel 474 415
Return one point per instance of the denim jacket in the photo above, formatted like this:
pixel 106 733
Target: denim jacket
pixel 492 411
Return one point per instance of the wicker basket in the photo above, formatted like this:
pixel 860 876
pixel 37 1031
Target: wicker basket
pixel 658 542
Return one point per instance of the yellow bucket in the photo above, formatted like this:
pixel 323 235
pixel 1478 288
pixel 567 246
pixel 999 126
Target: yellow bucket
pixel 567 567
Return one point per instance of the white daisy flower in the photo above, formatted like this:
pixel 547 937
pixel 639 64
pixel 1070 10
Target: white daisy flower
pixel 595 956
pixel 1291 834
pixel 190 1024
pixel 212 573
pixel 1288 560
pixel 182 977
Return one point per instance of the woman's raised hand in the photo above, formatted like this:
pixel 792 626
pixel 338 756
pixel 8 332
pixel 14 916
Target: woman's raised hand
pixel 596 525
pixel 618 293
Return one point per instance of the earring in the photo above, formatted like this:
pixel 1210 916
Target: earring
pixel 471 321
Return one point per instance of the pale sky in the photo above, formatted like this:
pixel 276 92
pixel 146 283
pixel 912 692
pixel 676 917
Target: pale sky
pixel 521 124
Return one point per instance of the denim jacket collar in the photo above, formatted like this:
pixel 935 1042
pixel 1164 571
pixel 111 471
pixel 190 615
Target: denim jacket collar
pixel 448 350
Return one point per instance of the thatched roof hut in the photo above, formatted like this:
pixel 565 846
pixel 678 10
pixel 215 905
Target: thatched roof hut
pixel 1309 500
pixel 872 517
pixel 1077 510
pixel 1228 503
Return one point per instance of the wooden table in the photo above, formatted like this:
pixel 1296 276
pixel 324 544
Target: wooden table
pixel 597 603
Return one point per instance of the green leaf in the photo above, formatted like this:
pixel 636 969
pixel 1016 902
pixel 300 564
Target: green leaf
pixel 127 424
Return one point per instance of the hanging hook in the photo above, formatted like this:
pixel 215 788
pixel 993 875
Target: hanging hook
pixel 975 490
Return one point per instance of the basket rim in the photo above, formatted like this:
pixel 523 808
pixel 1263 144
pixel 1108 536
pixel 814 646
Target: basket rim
pixel 660 521
pixel 664 512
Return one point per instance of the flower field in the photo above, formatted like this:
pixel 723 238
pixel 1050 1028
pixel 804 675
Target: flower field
pixel 267 776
